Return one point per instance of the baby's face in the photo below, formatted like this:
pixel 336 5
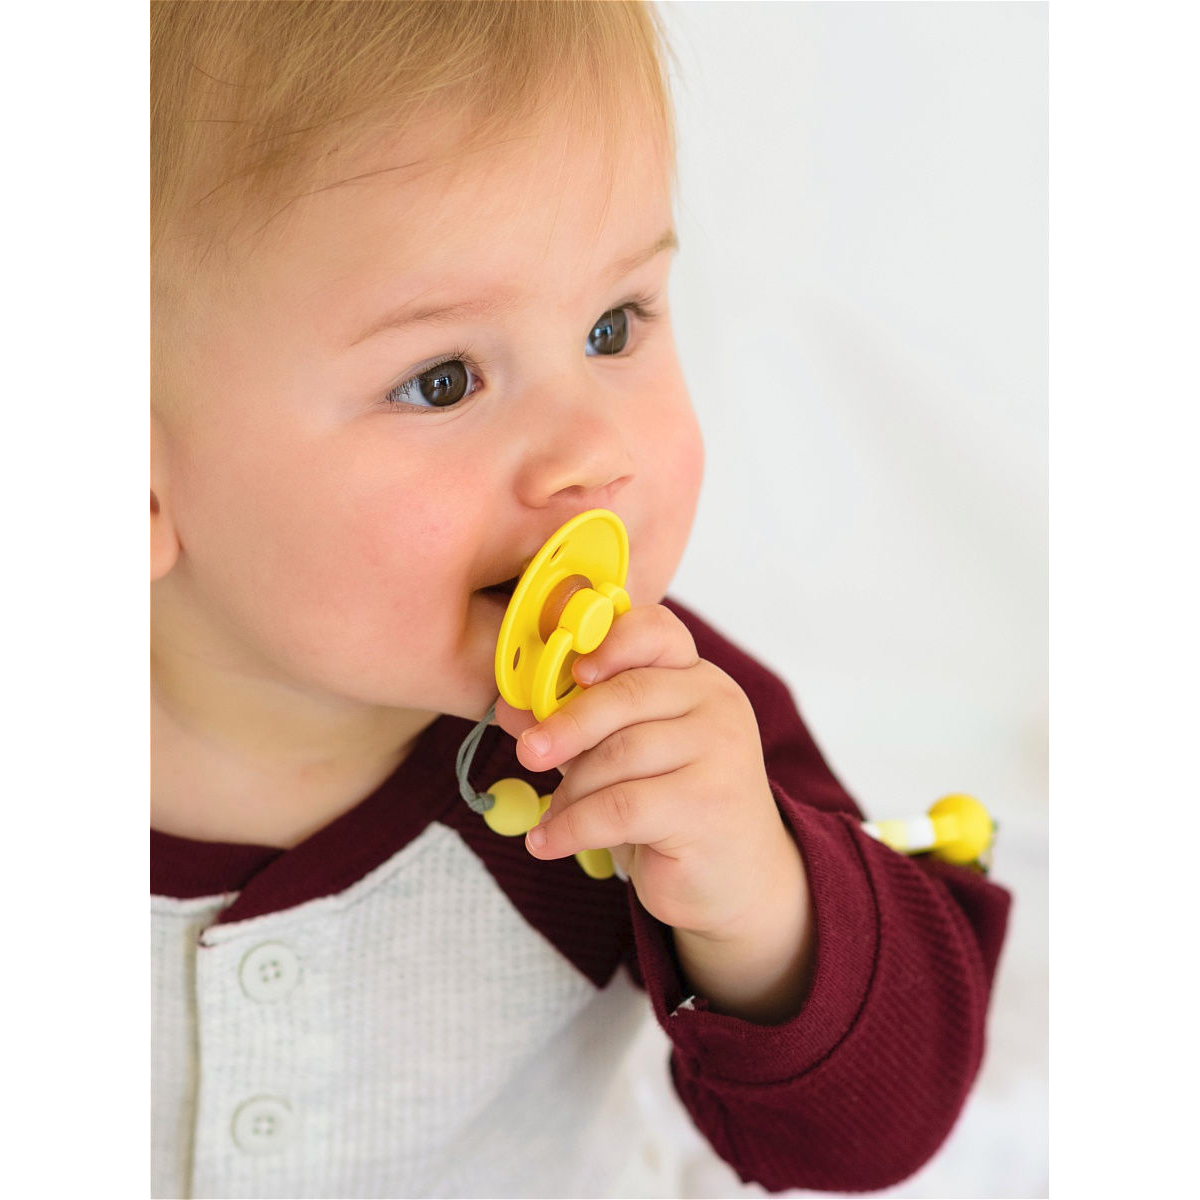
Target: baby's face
pixel 400 395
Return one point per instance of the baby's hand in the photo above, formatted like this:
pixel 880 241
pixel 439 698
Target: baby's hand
pixel 662 762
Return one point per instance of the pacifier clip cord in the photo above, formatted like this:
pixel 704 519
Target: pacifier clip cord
pixel 512 807
pixel 479 802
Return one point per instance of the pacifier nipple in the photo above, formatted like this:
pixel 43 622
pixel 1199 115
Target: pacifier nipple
pixel 563 605
pixel 556 603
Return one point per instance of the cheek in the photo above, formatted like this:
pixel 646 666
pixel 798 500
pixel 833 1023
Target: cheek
pixel 385 541
pixel 689 460
pixel 678 462
pixel 673 475
pixel 321 538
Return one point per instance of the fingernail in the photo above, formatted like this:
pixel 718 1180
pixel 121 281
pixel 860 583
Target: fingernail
pixel 536 740
pixel 585 672
pixel 536 838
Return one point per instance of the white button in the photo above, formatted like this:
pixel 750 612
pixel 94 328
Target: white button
pixel 269 972
pixel 263 1125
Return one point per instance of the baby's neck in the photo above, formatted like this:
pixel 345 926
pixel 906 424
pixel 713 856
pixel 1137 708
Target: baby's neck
pixel 248 761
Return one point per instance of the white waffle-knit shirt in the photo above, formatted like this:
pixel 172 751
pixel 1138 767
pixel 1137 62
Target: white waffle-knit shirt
pixel 411 1036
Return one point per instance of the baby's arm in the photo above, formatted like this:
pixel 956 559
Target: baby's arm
pixel 661 759
pixel 862 1085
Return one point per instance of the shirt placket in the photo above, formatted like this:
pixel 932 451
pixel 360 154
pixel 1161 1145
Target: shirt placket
pixel 251 1016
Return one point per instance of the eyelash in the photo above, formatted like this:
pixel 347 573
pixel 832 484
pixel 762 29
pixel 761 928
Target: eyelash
pixel 639 306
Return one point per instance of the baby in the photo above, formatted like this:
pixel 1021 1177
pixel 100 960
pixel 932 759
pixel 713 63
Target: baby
pixel 410 284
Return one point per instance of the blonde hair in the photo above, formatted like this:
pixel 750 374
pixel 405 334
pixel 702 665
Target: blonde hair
pixel 254 99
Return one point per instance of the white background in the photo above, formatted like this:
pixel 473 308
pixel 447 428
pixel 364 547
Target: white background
pixel 860 302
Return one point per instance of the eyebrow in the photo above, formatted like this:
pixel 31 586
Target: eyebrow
pixel 415 313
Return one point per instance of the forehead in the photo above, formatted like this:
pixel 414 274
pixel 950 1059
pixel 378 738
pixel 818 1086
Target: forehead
pixel 548 201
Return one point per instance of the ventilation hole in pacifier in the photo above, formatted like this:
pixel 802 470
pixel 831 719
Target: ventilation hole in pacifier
pixel 516 658
pixel 557 551
pixel 566 681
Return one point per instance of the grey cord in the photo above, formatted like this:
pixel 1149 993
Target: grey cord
pixel 479 802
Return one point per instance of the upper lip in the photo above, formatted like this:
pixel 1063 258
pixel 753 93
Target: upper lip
pixel 521 563
pixel 512 576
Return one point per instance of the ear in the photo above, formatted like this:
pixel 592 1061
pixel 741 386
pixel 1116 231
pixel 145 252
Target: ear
pixel 164 538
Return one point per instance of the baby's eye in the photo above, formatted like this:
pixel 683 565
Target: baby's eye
pixel 610 334
pixel 436 387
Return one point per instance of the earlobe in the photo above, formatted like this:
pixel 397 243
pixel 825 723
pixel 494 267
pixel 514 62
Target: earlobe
pixel 164 541
pixel 164 537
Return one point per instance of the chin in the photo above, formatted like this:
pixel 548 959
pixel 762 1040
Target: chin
pixel 647 591
pixel 472 712
pixel 475 693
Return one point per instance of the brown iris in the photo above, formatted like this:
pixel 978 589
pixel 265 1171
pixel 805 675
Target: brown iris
pixel 610 333
pixel 444 384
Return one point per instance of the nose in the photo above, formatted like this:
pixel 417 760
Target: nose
pixel 578 454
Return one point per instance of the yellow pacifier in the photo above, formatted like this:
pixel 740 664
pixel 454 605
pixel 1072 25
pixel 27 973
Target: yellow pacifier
pixel 563 606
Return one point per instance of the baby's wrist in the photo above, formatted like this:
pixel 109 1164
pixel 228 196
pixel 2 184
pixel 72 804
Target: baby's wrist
pixel 762 893
pixel 757 964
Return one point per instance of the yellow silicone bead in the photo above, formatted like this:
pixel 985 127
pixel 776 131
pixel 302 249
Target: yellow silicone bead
pixel 963 827
pixel 597 863
pixel 517 809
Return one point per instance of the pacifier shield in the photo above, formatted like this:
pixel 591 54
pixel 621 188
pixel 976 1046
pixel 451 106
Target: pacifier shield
pixel 563 605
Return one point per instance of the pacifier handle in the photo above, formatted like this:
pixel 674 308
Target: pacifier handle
pixel 584 617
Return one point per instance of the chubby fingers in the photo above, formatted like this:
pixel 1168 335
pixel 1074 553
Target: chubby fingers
pixel 634 697
pixel 650 636
pixel 636 661
pixel 632 812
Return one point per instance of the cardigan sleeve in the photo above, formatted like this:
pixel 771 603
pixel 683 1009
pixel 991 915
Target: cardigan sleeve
pixel 860 1088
